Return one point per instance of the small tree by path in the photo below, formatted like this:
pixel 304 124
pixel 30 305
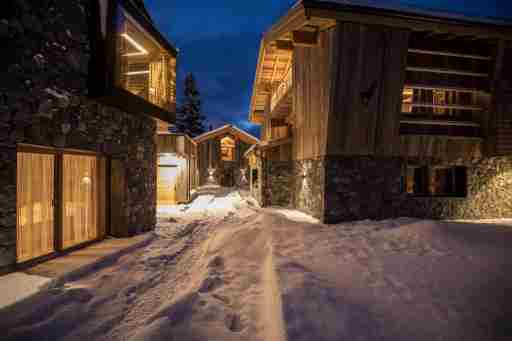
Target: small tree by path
pixel 189 119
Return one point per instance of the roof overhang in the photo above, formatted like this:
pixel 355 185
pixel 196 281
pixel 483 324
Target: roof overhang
pixel 227 129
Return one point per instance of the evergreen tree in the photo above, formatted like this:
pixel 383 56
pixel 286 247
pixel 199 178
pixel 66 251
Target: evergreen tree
pixel 189 119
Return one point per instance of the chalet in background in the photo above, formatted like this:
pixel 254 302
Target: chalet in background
pixel 221 156
pixel 374 112
pixel 84 86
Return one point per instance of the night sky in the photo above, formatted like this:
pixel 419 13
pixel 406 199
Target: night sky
pixel 219 41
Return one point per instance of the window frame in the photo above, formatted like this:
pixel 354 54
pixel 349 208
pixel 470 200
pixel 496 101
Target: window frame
pixel 425 173
pixel 102 83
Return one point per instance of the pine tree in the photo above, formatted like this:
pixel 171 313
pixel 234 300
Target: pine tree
pixel 189 119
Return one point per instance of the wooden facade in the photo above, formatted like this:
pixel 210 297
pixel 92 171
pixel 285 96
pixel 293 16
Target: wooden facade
pixel 371 83
pixel 178 175
pixel 409 90
pixel 222 151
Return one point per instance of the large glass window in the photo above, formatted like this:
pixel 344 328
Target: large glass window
pixel 143 67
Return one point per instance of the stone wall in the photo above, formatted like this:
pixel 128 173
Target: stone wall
pixel 277 181
pixel 362 188
pixel 370 188
pixel 489 195
pixel 43 101
pixel 309 187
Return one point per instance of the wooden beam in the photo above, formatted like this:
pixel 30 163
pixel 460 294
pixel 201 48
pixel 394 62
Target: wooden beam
pixel 439 25
pixel 440 87
pixel 305 38
pixel 447 106
pixel 284 45
pixel 446 71
pixel 439 122
pixel 449 54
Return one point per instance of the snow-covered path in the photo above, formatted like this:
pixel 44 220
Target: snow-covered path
pixel 222 269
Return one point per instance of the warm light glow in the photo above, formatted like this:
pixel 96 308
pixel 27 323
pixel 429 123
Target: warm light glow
pixel 132 73
pixel 142 50
pixel 86 180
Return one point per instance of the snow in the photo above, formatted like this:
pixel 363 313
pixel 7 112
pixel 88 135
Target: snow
pixel 18 286
pixel 223 269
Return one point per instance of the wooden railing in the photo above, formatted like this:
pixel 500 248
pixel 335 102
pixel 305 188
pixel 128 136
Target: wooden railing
pixel 284 86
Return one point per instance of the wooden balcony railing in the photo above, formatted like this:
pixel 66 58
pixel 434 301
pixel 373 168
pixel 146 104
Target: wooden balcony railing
pixel 282 89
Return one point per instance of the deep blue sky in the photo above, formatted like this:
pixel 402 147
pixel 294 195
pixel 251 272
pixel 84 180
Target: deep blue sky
pixel 219 41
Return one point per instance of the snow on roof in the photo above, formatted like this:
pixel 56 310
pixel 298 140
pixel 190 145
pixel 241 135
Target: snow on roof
pixel 224 128
pixel 400 6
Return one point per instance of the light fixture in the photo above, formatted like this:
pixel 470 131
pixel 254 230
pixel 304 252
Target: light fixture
pixel 133 73
pixel 142 50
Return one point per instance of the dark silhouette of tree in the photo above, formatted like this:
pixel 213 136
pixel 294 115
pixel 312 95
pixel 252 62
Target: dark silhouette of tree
pixel 189 119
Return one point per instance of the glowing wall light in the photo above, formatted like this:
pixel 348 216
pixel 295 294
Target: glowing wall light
pixel 133 73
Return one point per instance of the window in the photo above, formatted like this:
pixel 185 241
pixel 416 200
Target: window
pixel 143 67
pixel 436 181
pixel 439 104
pixel 133 66
pixel 227 147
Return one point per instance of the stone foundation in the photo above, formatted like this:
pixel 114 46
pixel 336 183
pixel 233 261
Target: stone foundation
pixel 361 188
pixel 309 187
pixel 277 183
pixel 43 101
pixel 354 188
pixel 489 195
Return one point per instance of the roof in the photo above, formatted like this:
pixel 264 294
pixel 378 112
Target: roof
pixel 399 7
pixel 323 14
pixel 226 129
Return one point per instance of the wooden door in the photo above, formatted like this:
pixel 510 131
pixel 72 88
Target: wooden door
pixel 35 205
pixel 80 199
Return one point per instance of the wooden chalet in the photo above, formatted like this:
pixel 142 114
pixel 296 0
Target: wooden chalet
pixel 382 110
pixel 178 175
pixel 221 156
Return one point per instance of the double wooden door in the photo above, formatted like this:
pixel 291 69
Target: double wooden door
pixel 60 202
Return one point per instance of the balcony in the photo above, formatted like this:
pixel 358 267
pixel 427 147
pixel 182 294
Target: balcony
pixel 281 101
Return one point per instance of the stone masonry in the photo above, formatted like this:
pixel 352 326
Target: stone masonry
pixel 336 189
pixel 43 101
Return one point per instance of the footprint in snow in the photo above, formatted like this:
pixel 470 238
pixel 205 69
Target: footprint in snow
pixel 211 283
pixel 234 323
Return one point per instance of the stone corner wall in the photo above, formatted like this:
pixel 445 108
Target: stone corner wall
pixel 309 187
pixel 277 183
pixel 362 188
pixel 44 101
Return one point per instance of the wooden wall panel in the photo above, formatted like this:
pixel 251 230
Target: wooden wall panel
pixel 118 218
pixel 311 95
pixel 368 73
pixel 440 148
pixel 35 209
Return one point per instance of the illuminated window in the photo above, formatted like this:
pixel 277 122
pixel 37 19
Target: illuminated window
pixel 144 67
pixel 407 100
pixel 438 181
pixel 433 103
pixel 227 147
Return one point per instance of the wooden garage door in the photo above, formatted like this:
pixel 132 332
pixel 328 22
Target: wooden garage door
pixel 82 199
pixel 35 210
pixel 167 184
